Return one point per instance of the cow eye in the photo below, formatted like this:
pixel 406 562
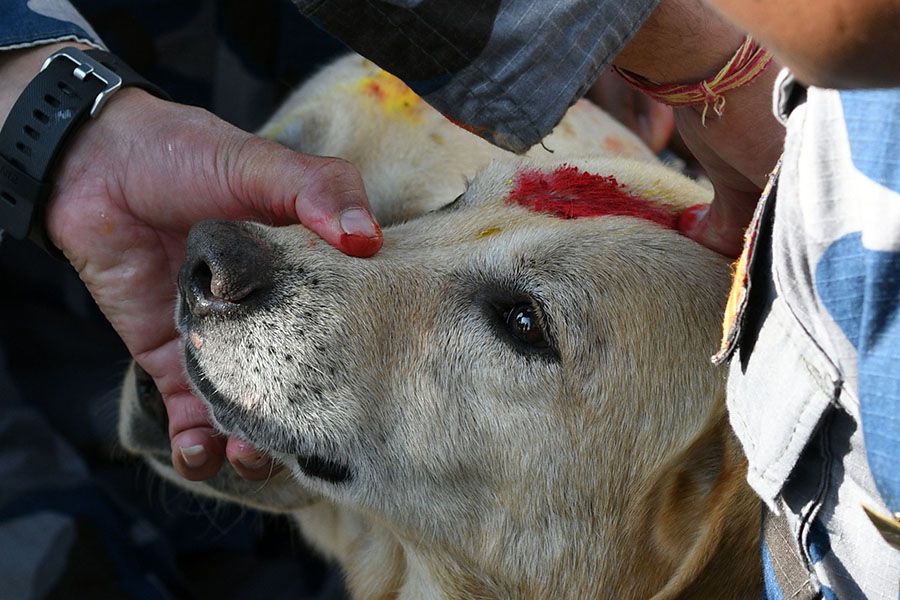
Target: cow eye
pixel 524 324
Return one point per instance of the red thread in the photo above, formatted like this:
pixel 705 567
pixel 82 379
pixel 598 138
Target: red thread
pixel 747 63
pixel 568 193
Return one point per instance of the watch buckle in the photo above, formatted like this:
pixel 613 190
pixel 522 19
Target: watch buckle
pixel 86 66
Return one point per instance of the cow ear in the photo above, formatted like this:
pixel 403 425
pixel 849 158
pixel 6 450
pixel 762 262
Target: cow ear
pixel 705 519
pixel 303 130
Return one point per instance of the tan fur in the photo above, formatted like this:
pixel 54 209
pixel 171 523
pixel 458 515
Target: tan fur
pixel 700 499
pixel 480 471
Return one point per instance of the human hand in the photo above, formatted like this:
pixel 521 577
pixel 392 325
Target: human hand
pixel 684 41
pixel 737 151
pixel 131 184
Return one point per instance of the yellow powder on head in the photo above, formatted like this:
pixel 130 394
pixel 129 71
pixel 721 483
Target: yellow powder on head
pixel 391 94
pixel 488 232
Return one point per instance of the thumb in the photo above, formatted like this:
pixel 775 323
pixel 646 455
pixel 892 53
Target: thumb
pixel 720 225
pixel 325 194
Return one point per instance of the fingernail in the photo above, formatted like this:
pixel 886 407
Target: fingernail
pixel 357 222
pixel 691 217
pixel 357 245
pixel 194 456
pixel 254 461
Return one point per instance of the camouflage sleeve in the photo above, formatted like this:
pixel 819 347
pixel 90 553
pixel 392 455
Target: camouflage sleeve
pixel 26 23
pixel 506 70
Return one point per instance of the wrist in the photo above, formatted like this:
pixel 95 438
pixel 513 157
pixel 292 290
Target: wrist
pixel 54 95
pixel 682 41
pixel 19 67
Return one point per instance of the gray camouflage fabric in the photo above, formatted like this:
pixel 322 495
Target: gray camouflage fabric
pixel 505 70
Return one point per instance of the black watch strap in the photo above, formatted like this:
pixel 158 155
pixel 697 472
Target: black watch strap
pixel 72 86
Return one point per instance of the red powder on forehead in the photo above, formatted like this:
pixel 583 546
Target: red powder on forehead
pixel 568 193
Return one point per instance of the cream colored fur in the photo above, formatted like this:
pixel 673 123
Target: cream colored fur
pixel 605 470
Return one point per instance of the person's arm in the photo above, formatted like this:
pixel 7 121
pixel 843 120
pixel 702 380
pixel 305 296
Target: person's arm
pixel 828 43
pixel 127 190
pixel 685 41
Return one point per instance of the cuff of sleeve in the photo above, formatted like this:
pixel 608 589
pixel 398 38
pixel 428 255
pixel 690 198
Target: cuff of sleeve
pixel 55 40
pixel 33 23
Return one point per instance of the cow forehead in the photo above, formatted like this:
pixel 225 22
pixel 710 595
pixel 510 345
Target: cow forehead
pixel 570 193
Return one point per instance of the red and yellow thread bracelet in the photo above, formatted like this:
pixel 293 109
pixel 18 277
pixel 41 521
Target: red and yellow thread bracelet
pixel 747 64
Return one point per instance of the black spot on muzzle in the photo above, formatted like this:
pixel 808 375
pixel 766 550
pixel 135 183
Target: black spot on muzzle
pixel 327 470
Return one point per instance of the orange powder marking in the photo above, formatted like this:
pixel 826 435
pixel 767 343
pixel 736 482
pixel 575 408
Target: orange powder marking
pixel 394 96
pixel 478 130
pixel 614 144
pixel 196 340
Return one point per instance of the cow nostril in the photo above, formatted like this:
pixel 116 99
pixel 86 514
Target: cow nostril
pixel 201 280
pixel 216 290
pixel 228 266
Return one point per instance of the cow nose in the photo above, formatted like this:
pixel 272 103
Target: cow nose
pixel 228 266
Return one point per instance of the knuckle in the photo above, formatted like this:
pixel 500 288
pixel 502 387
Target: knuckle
pixel 337 179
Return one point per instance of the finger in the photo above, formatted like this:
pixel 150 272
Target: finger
pixel 720 225
pixel 325 194
pixel 249 462
pixel 198 451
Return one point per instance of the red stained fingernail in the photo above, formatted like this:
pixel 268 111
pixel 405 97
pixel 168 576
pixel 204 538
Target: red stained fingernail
pixel 691 217
pixel 360 245
pixel 361 234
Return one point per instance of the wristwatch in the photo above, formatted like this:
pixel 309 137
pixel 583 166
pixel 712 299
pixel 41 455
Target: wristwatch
pixel 72 86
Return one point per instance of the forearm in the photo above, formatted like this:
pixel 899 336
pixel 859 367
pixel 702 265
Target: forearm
pixel 829 43
pixel 683 41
